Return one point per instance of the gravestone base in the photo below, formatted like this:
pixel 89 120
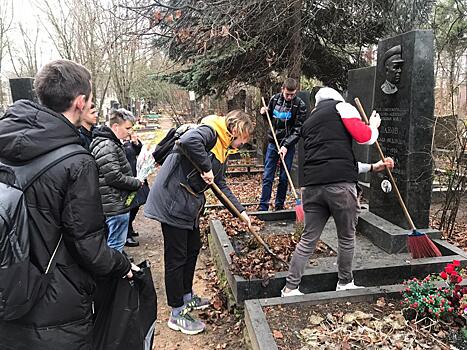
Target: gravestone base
pixel 372 265
pixel 387 236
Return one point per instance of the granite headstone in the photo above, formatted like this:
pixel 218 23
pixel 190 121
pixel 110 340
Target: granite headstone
pixel 404 99
pixel 23 89
pixel 297 171
pixel 361 84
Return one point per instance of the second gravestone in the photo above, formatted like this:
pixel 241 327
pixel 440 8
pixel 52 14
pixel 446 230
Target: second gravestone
pixel 362 84
pixel 405 101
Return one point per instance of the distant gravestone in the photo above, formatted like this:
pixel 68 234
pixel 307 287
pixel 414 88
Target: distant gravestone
pixel 23 89
pixel 309 100
pixel 297 170
pixel 361 84
pixel 238 101
pixel 404 99
pixel 114 104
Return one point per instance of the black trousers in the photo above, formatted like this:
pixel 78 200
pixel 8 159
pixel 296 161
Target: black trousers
pixel 133 213
pixel 181 250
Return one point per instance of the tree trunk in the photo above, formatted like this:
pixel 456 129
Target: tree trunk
pixel 295 58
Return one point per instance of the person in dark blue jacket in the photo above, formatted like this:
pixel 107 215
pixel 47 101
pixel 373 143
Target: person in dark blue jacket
pixel 177 200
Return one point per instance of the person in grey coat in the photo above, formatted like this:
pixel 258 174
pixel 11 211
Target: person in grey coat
pixel 177 199
pixel 116 180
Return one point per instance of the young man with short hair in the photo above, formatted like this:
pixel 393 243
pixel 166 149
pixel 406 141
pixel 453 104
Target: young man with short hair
pixel 63 202
pixel 287 112
pixel 116 180
pixel 88 122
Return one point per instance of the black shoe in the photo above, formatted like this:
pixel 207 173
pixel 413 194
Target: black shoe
pixel 131 242
pixel 135 234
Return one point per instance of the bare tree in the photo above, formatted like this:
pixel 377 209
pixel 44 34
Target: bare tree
pixel 6 21
pixel 24 55
pixel 79 30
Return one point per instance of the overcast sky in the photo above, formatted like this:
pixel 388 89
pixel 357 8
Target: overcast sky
pixel 26 13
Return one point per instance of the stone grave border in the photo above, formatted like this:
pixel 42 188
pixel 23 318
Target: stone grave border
pixel 259 332
pixel 372 274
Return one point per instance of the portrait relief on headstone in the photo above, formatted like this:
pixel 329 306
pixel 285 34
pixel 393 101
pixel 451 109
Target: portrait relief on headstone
pixel 393 63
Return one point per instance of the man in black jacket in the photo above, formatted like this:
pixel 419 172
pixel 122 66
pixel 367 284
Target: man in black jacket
pixel 116 181
pixel 287 112
pixel 88 122
pixel 62 201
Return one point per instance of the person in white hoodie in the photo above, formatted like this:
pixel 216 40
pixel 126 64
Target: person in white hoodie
pixel 330 175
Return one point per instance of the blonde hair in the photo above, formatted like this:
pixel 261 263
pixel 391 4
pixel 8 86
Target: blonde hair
pixel 239 121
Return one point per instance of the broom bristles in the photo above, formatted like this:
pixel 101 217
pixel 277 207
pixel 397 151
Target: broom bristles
pixel 299 212
pixel 421 246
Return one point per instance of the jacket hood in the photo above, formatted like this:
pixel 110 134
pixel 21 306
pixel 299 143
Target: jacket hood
pixel 224 137
pixel 28 130
pixel 106 133
pixel 328 93
pixel 102 134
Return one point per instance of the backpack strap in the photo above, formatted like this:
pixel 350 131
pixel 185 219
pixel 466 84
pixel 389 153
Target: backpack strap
pixel 28 173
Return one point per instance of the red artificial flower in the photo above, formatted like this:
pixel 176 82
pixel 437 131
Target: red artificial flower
pixel 443 275
pixel 459 279
pixel 449 268
pixel 456 263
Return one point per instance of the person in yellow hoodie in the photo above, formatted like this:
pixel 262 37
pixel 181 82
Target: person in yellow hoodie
pixel 177 200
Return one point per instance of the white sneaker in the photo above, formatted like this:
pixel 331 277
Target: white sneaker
pixel 291 293
pixel 350 285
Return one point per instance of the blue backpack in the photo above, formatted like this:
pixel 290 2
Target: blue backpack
pixel 22 283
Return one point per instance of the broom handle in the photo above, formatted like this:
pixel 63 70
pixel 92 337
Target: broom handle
pixel 381 154
pixel 278 150
pixel 224 197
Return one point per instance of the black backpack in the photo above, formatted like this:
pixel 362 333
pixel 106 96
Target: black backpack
pixel 21 282
pixel 166 145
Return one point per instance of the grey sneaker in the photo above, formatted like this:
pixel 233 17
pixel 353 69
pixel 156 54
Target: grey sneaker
pixel 197 303
pixel 185 323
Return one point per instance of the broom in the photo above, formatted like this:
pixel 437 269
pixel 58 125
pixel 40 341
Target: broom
pixel 419 244
pixel 299 213
pixel 232 207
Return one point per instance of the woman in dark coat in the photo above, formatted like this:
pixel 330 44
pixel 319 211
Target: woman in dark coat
pixel 177 199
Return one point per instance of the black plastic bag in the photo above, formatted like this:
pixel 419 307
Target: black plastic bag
pixel 125 312
pixel 141 196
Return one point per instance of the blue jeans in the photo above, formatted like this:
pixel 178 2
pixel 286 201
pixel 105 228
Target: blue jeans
pixel 118 229
pixel 270 163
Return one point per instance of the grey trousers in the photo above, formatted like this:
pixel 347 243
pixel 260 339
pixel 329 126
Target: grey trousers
pixel 319 203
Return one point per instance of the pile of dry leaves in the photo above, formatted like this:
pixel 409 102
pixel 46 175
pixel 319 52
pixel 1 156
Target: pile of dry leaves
pixel 459 234
pixel 359 326
pixel 251 259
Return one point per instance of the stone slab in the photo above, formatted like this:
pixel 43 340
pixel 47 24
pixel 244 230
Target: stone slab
pixel 372 265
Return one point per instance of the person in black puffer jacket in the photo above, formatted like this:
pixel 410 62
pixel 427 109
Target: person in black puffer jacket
pixel 116 180
pixel 63 201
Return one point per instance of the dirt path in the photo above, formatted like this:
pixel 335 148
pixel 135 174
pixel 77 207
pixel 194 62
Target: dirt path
pixel 223 331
